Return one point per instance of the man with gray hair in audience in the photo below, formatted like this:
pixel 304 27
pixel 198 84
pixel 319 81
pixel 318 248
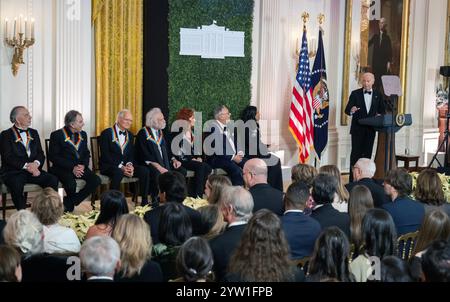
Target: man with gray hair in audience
pixel 153 150
pixel 237 208
pixel 363 172
pixel 264 196
pixel 100 258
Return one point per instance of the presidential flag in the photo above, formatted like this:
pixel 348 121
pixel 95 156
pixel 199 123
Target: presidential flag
pixel 300 117
pixel 321 99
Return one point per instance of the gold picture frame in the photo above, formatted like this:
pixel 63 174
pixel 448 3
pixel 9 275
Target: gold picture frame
pixel 357 51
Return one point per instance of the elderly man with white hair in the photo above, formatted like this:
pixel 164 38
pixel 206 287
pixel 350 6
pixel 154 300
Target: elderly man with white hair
pixel 117 155
pixel 237 208
pixel 264 196
pixel 153 151
pixel 100 258
pixel 363 172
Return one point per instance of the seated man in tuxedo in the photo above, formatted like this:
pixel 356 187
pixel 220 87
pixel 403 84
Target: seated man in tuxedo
pixel 221 148
pixel 363 172
pixel 264 196
pixel 363 103
pixel 153 151
pixel 117 155
pixel 22 157
pixel 69 154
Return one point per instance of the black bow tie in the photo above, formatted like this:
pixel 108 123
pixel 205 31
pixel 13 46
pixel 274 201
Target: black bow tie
pixel 122 133
pixel 224 129
pixel 368 92
pixel 22 131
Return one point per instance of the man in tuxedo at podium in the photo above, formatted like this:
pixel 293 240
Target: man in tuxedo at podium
pixel 363 103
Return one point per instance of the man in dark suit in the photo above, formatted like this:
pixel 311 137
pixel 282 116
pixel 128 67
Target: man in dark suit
pixel 69 154
pixel 407 213
pixel 382 53
pixel 117 155
pixel 363 103
pixel 363 171
pixel 221 149
pixel 264 196
pixel 153 151
pixel 323 192
pixel 172 188
pixel 237 208
pixel 301 231
pixel 22 157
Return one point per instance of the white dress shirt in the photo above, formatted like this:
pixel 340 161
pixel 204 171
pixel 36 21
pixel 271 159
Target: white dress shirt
pixel 228 135
pixel 368 100
pixel 24 137
pixel 120 136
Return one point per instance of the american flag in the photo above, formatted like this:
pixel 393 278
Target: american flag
pixel 300 118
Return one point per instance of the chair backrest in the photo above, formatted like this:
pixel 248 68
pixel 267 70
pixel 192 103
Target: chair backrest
pixel 406 244
pixel 95 153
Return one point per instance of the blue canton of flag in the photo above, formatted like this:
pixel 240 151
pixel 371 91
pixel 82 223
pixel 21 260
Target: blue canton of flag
pixel 321 100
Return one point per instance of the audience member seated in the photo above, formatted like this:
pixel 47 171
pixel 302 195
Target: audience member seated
pixel 250 136
pixel 363 172
pixel 133 236
pixel 237 208
pixel 68 151
pixel 153 150
pixel 435 226
pixel 174 229
pixel 360 202
pixel 436 262
pixel 48 208
pixel 263 253
pixel 214 187
pixel 340 202
pixel 2 226
pixel 394 269
pixel 183 149
pixel 117 156
pixel 100 258
pixel 195 261
pixel 264 196
pixel 301 231
pixel 303 173
pixel 323 193
pixel 379 240
pixel 112 205
pixel 429 191
pixel 330 258
pixel 221 148
pixel 172 189
pixel 406 212
pixel 22 157
pixel 10 268
pixel 212 221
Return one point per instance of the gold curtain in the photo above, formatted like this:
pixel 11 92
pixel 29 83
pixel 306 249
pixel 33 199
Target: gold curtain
pixel 118 26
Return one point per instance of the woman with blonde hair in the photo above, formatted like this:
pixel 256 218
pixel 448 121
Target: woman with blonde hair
pixel 212 221
pixel 48 208
pixel 341 200
pixel 214 187
pixel 133 236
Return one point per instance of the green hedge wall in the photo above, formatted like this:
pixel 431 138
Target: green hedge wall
pixel 203 84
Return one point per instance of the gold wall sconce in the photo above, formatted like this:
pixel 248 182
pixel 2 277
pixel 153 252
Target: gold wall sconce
pixel 22 38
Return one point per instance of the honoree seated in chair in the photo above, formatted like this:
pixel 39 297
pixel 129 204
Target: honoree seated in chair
pixel 69 154
pixel 221 148
pixel 117 155
pixel 153 151
pixel 22 157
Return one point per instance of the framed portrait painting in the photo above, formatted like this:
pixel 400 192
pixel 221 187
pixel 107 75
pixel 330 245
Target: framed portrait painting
pixel 376 40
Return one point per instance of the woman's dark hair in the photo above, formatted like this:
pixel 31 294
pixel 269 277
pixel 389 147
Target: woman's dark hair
pixel 394 269
pixel 249 114
pixel 436 262
pixel 173 184
pixel 378 233
pixel 400 179
pixel 195 259
pixel 9 261
pixel 112 205
pixel 324 188
pixel 331 257
pixel 435 226
pixel 263 253
pixel 429 188
pixel 360 202
pixel 175 225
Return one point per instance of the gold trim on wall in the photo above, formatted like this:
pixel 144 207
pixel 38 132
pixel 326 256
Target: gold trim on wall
pixel 347 50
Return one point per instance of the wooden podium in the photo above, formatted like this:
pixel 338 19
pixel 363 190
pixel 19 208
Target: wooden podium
pixel 386 126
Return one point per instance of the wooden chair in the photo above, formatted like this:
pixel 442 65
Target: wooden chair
pixel 406 244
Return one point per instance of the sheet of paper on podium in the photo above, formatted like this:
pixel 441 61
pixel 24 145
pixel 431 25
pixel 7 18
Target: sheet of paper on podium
pixel 391 85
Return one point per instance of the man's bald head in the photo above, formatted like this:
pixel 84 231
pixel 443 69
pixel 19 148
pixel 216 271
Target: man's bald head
pixel 255 172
